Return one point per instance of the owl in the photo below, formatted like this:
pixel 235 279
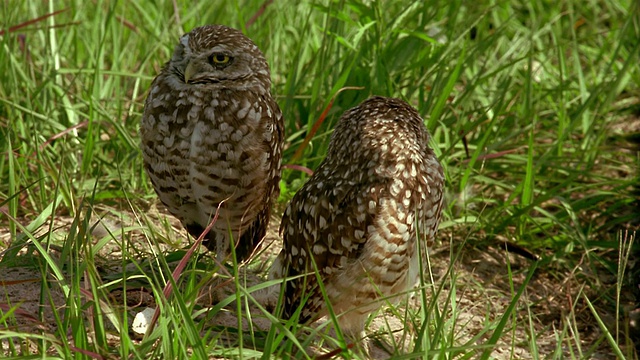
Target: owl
pixel 364 220
pixel 211 137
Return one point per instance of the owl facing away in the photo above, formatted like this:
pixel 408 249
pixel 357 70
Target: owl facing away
pixel 212 134
pixel 364 220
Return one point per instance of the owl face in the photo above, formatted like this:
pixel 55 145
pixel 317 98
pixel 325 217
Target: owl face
pixel 216 56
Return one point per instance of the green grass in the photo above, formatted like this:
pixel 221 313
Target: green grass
pixel 528 104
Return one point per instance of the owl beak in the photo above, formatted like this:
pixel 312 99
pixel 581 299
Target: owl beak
pixel 189 71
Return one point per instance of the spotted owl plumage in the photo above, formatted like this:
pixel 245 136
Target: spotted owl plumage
pixel 212 133
pixel 363 215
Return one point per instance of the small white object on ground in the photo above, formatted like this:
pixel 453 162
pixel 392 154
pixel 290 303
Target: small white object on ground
pixel 142 320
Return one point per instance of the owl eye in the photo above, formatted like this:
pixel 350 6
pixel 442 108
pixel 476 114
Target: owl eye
pixel 219 59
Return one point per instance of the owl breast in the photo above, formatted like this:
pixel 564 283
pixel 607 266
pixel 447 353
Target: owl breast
pixel 213 148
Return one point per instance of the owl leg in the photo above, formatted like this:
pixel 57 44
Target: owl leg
pixel 196 230
pixel 214 241
pixel 352 324
pixel 252 236
pixel 268 297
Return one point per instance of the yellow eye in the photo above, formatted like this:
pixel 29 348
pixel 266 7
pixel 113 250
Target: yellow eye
pixel 219 59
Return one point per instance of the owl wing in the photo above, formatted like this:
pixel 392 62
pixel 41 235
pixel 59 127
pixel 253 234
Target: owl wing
pixel 278 143
pixel 324 228
pixel 257 230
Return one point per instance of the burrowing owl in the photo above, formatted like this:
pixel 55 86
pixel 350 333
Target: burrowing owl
pixel 211 132
pixel 364 217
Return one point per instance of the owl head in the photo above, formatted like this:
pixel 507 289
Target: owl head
pixel 217 56
pixel 380 130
